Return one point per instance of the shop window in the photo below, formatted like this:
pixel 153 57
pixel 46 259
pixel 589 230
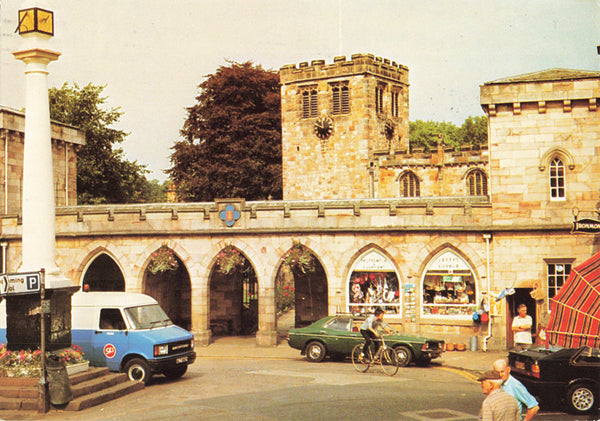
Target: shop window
pixel 558 272
pixel 373 284
pixel 449 287
pixel 557 179
pixel 477 183
pixel 409 185
pixel 340 96
pixel 310 106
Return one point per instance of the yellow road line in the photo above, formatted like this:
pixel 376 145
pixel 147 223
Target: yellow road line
pixel 463 373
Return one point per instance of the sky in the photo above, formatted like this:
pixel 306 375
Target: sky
pixel 153 54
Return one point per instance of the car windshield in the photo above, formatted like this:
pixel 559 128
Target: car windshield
pixel 147 317
pixel 339 323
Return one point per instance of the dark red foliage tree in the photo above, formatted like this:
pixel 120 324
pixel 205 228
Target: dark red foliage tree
pixel 231 143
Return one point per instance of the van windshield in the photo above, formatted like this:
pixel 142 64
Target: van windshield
pixel 147 317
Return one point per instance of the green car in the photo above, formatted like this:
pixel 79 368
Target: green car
pixel 336 336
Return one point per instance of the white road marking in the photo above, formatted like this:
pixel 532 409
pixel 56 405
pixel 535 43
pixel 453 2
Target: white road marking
pixel 333 379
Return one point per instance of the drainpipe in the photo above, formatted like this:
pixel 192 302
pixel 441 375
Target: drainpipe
pixel 487 238
pixel 66 174
pixel 6 173
pixel 4 245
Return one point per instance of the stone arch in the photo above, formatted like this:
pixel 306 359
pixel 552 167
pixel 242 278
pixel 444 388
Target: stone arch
pixel 464 290
pixel 472 170
pixel 560 152
pixel 171 288
pixel 86 255
pixel 310 299
pixel 406 172
pixel 379 284
pixel 101 270
pixel 233 291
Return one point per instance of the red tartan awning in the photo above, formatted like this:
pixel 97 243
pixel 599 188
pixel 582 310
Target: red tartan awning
pixel 575 317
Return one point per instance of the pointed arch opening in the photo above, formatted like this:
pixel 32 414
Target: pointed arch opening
pixel 374 283
pixel 301 288
pixel 167 280
pixel 233 295
pixel 103 274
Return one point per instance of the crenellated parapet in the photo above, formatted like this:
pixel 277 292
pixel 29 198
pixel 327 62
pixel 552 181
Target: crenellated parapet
pixel 341 67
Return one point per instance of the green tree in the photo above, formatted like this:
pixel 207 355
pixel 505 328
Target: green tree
pixel 103 174
pixel 231 143
pixel 426 134
pixel 474 131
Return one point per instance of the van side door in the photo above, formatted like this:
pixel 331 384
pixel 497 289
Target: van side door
pixel 111 339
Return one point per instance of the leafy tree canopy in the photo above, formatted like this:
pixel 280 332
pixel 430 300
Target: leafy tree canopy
pixel 103 174
pixel 231 143
pixel 426 134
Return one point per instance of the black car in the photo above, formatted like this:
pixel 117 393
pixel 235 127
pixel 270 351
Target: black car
pixel 569 376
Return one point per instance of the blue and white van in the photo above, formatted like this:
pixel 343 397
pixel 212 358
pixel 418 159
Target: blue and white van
pixel 127 332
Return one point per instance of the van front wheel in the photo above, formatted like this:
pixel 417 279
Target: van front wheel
pixel 138 370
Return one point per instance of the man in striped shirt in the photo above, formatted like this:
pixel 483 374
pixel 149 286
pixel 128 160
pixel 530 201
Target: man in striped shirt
pixel 498 405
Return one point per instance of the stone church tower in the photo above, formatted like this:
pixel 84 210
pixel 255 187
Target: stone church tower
pixel 335 119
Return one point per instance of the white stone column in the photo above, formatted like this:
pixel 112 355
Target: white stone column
pixel 38 207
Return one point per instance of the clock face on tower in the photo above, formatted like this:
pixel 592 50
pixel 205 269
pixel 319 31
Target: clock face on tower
pixel 323 127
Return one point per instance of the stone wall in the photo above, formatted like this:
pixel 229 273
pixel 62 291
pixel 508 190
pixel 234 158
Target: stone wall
pixel 338 167
pixel 65 140
pixel 533 119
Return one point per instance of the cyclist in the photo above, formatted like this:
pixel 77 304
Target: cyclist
pixel 369 330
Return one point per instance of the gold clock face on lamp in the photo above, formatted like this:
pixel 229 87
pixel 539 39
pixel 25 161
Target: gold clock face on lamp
pixel 36 20
pixel 323 127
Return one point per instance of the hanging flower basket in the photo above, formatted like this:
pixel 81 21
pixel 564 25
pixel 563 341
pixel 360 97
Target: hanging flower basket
pixel 229 260
pixel 299 258
pixel 162 260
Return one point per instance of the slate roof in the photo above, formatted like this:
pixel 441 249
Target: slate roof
pixel 549 75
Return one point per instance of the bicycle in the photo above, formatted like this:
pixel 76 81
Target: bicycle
pixel 386 356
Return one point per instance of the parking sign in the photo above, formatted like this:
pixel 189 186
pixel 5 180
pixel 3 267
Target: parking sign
pixel 20 283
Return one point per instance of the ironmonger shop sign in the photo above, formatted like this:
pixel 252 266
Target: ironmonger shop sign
pixel 586 225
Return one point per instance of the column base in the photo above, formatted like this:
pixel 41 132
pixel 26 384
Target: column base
pixel 202 337
pixel 266 338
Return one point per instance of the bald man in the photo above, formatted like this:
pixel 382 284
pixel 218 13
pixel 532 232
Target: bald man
pixel 515 388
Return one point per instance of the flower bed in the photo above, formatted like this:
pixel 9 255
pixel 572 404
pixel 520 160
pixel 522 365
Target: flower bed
pixel 27 363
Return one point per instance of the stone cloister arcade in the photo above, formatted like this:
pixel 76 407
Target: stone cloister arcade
pixel 111 247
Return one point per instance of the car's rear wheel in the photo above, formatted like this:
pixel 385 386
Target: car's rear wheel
pixel 581 399
pixel 315 352
pixel 404 355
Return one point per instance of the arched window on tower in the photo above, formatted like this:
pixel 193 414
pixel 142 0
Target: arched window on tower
pixel 557 179
pixel 409 185
pixel 477 183
pixel 310 106
pixel 340 97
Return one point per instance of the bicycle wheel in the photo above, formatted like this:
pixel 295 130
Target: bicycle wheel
pixel 360 363
pixel 389 361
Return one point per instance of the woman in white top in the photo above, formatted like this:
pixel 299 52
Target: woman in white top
pixel 521 326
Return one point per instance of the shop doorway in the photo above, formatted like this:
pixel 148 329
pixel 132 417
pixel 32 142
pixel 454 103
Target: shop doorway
pixel 103 274
pixel 521 296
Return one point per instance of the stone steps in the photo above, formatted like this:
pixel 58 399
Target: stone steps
pixel 89 388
